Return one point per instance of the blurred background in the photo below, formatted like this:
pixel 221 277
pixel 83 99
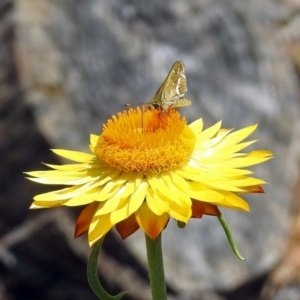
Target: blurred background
pixel 66 66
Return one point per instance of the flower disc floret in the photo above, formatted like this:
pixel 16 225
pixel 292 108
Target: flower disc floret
pixel 146 141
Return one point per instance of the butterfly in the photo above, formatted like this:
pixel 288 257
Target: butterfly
pixel 171 92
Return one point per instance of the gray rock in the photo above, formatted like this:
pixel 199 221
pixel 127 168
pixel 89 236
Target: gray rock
pixel 81 61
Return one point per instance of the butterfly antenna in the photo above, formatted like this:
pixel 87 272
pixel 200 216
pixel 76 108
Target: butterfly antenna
pixel 133 104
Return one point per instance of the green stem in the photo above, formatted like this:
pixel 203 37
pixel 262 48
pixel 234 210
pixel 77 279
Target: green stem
pixel 93 278
pixel 156 268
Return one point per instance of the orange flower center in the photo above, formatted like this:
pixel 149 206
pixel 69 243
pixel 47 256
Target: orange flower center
pixel 146 141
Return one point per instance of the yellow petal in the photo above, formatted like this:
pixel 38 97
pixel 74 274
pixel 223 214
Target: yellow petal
pixel 121 213
pixel 93 140
pixel 247 181
pixel 208 133
pixel 201 192
pixel 237 202
pixel 44 204
pixel 170 193
pixel 155 203
pixel 109 190
pixel 74 167
pixel 75 155
pixel 110 205
pixel 213 142
pixel 149 222
pixel 138 197
pixel 180 213
pixel 82 199
pixel 239 135
pixel 176 180
pixel 210 180
pixel 58 195
pixel 98 228
pixel 63 180
pixel 197 126
pixel 226 151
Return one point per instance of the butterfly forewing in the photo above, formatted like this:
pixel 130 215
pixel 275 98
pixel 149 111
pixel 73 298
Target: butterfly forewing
pixel 171 92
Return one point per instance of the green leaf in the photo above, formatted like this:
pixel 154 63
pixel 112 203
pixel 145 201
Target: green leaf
pixel 93 278
pixel 230 237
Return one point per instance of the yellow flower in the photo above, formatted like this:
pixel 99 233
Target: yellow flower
pixel 146 167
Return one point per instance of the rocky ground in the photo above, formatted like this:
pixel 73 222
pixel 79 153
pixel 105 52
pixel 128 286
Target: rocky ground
pixel 66 66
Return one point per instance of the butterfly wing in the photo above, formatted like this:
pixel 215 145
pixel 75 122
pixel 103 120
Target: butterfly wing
pixel 172 90
pixel 174 84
